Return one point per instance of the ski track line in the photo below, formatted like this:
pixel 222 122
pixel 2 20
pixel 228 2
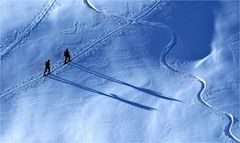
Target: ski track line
pixel 163 57
pixel 148 11
pixel 92 7
pixel 30 28
pixel 71 31
pixel 203 83
pixel 168 48
pixel 85 50
pixel 89 5
pixel 15 89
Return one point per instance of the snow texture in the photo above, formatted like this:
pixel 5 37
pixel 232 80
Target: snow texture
pixel 140 71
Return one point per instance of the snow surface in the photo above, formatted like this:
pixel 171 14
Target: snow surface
pixel 141 71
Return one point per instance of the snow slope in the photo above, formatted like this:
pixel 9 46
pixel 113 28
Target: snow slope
pixel 151 71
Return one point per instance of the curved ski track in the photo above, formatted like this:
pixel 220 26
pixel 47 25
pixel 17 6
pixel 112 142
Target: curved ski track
pixel 38 77
pixel 166 51
pixel 203 83
pixel 89 5
pixel 29 29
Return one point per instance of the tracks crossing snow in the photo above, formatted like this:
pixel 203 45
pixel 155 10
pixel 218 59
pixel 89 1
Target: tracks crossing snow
pixel 38 77
pixel 30 28
pixel 203 83
pixel 166 51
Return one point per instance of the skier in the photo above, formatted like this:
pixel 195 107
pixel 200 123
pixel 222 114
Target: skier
pixel 47 68
pixel 66 56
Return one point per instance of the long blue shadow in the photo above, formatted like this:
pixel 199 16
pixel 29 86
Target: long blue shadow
pixel 148 91
pixel 99 92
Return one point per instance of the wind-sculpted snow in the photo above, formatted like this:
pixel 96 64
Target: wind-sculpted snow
pixel 82 52
pixel 30 28
pixel 120 83
pixel 70 32
pixel 166 51
pixel 203 86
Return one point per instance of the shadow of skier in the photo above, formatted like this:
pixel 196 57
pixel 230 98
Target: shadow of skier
pixel 113 96
pixel 148 91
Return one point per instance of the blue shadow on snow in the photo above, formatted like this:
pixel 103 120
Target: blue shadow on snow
pixel 148 91
pixel 101 93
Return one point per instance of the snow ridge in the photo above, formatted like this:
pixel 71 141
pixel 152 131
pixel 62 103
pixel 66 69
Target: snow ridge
pixel 30 28
pixel 203 83
pixel 166 51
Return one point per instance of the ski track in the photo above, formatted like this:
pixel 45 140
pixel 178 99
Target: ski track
pixel 166 51
pixel 70 32
pixel 92 7
pixel 20 86
pixel 29 29
pixel 203 83
pixel 89 5
pixel 38 77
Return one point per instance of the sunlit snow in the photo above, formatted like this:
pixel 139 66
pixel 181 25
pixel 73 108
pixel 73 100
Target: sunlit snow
pixel 141 71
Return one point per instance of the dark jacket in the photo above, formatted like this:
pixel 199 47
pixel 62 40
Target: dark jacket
pixel 47 64
pixel 66 54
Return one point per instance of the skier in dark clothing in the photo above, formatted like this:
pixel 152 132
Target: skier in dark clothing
pixel 47 68
pixel 66 56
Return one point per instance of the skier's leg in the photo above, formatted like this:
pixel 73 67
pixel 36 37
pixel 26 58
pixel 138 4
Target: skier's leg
pixel 45 72
pixel 49 70
pixel 65 60
pixel 69 59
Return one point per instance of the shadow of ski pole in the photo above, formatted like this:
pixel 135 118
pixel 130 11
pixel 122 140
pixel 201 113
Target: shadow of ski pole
pixel 101 93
